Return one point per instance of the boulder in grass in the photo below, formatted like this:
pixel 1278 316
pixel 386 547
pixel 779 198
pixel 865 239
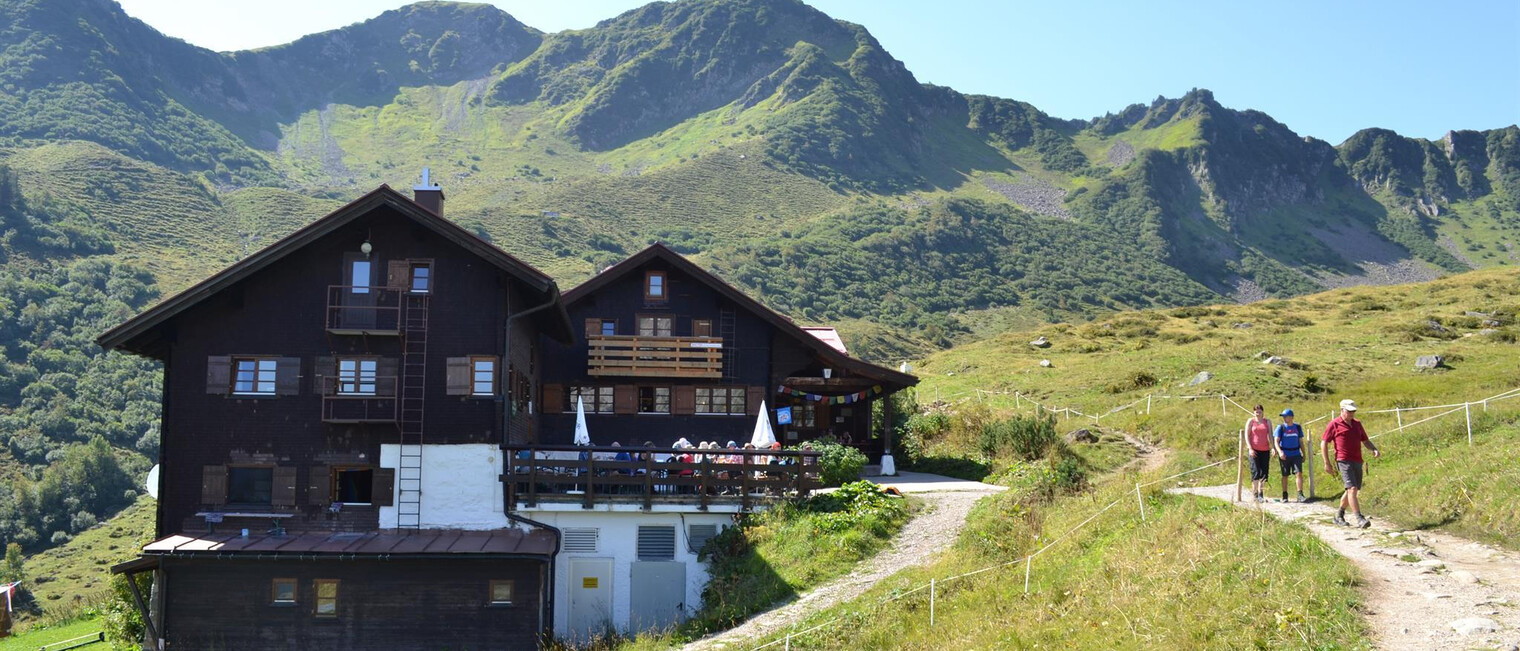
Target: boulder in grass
pixel 1042 342
pixel 1429 362
pixel 1200 378
pixel 1045 363
pixel 1276 361
pixel 1083 435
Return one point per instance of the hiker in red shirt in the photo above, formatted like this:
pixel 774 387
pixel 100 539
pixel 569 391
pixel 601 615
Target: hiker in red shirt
pixel 1259 436
pixel 1346 435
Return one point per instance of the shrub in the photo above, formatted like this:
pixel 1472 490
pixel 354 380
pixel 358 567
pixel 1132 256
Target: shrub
pixel 1027 438
pixel 1311 385
pixel 840 463
pixel 122 622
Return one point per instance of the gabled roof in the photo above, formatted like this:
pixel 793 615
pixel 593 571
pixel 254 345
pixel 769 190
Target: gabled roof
pixel 828 352
pixel 134 335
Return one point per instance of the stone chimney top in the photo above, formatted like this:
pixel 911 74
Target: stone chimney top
pixel 428 194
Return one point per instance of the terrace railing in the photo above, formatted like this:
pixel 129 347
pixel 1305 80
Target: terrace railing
pixel 592 475
pixel 359 399
pixel 638 356
pixel 362 310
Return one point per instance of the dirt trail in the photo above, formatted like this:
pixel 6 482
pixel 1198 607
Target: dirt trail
pixel 1423 589
pixel 933 529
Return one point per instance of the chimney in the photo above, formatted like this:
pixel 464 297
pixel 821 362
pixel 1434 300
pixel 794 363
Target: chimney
pixel 427 193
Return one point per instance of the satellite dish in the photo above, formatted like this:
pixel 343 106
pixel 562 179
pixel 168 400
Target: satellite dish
pixel 151 483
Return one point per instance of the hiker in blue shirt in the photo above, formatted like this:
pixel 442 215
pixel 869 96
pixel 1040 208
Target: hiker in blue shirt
pixel 1288 439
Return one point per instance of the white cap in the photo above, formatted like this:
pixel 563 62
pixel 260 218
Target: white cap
pixel 1348 405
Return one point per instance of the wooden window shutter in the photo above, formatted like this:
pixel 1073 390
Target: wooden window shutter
pixel 625 399
pixel 554 399
pixel 683 400
pixel 287 376
pixel 701 328
pixel 322 369
pixel 383 491
pixel 214 485
pixel 319 486
pixel 219 374
pixel 457 376
pixel 284 491
pixel 593 327
pixel 752 398
pixel 398 273
pixel 387 376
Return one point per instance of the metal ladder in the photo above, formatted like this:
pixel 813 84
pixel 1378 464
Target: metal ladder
pixel 726 332
pixel 413 383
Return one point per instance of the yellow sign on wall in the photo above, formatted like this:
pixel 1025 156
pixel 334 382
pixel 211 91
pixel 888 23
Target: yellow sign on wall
pixel 589 582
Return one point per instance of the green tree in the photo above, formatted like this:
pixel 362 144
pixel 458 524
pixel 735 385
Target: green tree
pixel 13 570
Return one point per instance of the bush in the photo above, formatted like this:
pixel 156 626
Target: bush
pixel 122 622
pixel 840 463
pixel 1027 438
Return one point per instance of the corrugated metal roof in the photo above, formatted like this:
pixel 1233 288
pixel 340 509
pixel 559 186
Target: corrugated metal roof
pixel 382 543
pixel 827 335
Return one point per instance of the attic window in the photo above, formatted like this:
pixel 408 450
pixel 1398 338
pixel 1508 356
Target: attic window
pixel 422 278
pixel 654 286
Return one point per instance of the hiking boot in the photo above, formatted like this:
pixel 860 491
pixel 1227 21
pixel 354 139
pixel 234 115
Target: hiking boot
pixel 1302 499
pixel 1362 521
pixel 1285 496
pixel 1340 519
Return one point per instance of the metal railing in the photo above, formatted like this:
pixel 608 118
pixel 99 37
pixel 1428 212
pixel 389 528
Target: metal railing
pixel 595 474
pixel 637 356
pixel 359 399
pixel 357 309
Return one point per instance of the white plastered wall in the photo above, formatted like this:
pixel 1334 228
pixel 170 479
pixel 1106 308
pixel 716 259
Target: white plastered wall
pixel 461 487
pixel 618 540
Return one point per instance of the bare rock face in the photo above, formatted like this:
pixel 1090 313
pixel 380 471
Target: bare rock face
pixel 1429 362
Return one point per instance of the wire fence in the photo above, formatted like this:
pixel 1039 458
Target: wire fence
pixel 786 640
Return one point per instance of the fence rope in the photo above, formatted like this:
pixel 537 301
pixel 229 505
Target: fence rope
pixel 1028 560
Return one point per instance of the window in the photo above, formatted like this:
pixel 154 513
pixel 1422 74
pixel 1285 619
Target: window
pixel 654 286
pixel 483 376
pixel 356 377
pixel 283 592
pixel 654 326
pixel 358 275
pixel 353 485
pixel 422 277
pixel 805 416
pixel 609 327
pixel 654 400
pixel 253 376
pixel 598 399
pixel 701 328
pixel 720 400
pixel 250 486
pixel 327 597
pixel 501 593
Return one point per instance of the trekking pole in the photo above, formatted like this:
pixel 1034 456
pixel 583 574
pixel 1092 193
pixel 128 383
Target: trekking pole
pixel 1240 464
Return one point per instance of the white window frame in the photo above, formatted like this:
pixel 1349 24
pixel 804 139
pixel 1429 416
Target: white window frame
pixel 482 378
pixel 356 277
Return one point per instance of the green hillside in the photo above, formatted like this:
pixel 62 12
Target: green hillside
pixel 787 150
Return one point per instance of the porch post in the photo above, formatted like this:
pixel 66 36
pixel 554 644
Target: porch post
pixel 888 464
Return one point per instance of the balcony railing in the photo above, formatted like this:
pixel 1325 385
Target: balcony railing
pixel 636 356
pixel 360 310
pixel 589 475
pixel 370 399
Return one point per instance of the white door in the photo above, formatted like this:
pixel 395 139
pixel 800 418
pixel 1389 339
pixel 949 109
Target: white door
pixel 590 598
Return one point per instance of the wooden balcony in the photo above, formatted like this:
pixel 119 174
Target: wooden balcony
pixel 356 310
pixel 367 400
pixel 592 475
pixel 664 357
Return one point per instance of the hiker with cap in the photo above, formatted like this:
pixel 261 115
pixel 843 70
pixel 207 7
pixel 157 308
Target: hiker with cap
pixel 1288 442
pixel 1346 435
pixel 1259 436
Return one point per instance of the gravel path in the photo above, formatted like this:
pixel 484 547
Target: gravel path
pixel 932 530
pixel 1420 586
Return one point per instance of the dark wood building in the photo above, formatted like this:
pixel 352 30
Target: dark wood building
pixel 358 376
pixel 666 350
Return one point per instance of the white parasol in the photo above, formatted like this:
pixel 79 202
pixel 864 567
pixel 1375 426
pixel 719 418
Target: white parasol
pixel 763 436
pixel 582 435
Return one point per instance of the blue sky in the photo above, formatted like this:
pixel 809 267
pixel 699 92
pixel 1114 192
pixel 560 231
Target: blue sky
pixel 1324 68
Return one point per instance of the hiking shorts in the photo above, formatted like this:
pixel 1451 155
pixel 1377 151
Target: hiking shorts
pixel 1261 464
pixel 1351 473
pixel 1291 466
